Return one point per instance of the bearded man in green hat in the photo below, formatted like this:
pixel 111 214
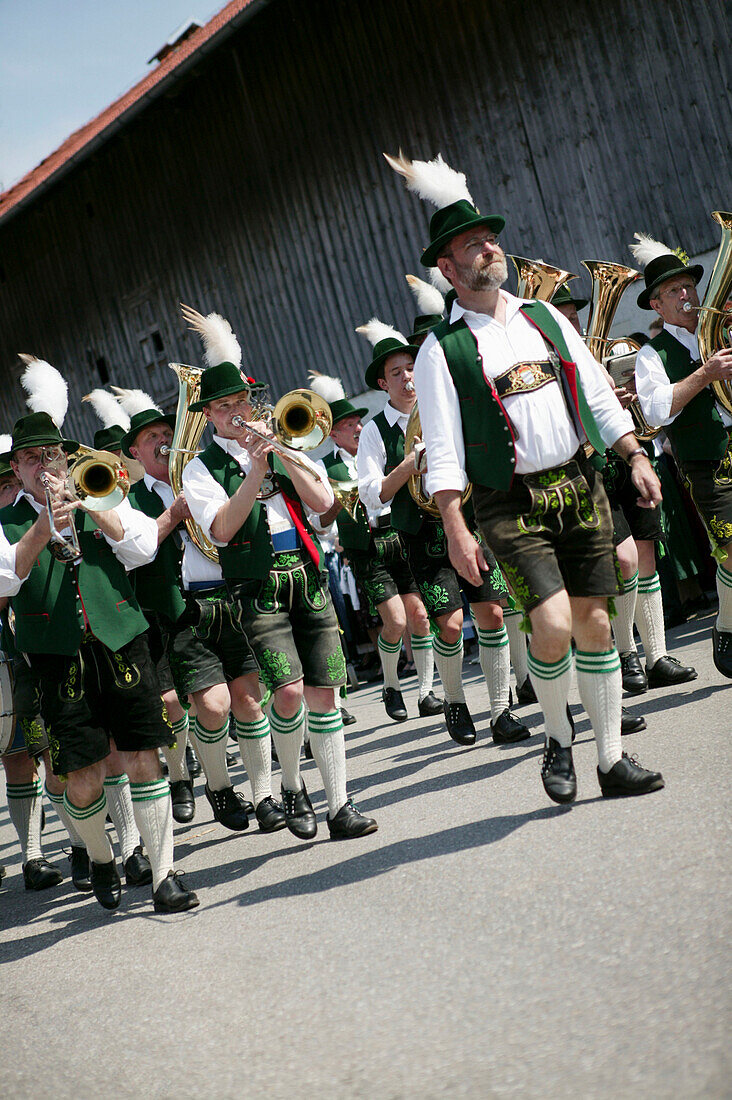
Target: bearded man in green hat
pixel 251 501
pixel 85 636
pixel 674 391
pixel 507 394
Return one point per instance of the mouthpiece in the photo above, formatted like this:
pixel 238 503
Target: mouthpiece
pixel 687 307
pixel 409 386
pixel 164 450
pixel 238 421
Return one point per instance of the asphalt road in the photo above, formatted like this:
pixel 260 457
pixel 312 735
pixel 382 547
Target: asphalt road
pixel 483 943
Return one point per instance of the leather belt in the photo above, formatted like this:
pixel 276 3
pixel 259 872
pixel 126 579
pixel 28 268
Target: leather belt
pixel 381 522
pixel 524 377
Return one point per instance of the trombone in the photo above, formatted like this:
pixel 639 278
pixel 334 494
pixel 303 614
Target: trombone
pixel 300 421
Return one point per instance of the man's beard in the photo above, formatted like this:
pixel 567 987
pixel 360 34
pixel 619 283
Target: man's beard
pixel 488 278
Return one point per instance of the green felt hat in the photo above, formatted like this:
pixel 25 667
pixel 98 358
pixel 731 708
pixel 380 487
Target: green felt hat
pixel 339 410
pixel 564 297
pixel 456 218
pixel 382 351
pixel 661 269
pixel 109 439
pixel 5 464
pixel 143 420
pixel 39 430
pixel 220 381
pixel 424 323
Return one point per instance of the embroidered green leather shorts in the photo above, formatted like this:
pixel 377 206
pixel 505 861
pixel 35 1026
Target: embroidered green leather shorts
pixel 710 487
pixel 383 570
pixel 98 694
pixel 290 624
pixel 439 585
pixel 206 646
pixel 551 531
pixel 30 733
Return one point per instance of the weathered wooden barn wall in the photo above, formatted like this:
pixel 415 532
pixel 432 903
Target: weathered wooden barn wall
pixel 258 189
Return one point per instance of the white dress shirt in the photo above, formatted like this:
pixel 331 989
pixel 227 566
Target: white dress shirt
pixel 138 545
pixel 8 577
pixel 371 462
pixel 196 567
pixel 655 388
pixel 545 434
pixel 205 496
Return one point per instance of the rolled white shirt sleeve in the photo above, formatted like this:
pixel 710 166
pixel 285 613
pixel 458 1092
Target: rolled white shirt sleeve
pixel 314 517
pixel 139 544
pixel 370 466
pixel 10 582
pixel 204 496
pixel 654 387
pixel 439 414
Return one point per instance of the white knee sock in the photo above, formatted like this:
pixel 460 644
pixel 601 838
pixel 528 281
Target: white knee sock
pixel 623 621
pixel 496 664
pixel 288 734
pixel 329 752
pixel 175 755
pixel 24 807
pixel 210 746
pixel 66 820
pixel 389 656
pixel 154 817
pixel 424 660
pixel 724 591
pixel 90 821
pixel 601 686
pixel 516 643
pixel 256 752
pixel 449 661
pixel 119 807
pixel 551 681
pixel 649 618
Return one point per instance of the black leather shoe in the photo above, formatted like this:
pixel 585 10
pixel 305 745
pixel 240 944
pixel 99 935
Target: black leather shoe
pixel 348 823
pixel 106 884
pixel 138 871
pixel 627 777
pixel 667 671
pixel 80 873
pixel 229 808
pixel 508 729
pixel 270 815
pixel 3 871
pixel 634 678
pixel 299 814
pixel 557 772
pixel 192 762
pixel 39 874
pixel 346 717
pixel 231 760
pixel 173 896
pixel 394 704
pixel 430 705
pixel 459 723
pixel 631 723
pixel 184 804
pixel 525 694
pixel 307 749
pixel 722 650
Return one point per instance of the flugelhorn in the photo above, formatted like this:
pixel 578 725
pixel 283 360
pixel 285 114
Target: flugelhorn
pixel 96 478
pixel 346 493
pixel 713 330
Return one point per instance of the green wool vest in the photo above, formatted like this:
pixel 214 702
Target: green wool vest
pixel 249 555
pixel 49 608
pixel 158 584
pixel 490 453
pixel 352 534
pixel 697 433
pixel 405 514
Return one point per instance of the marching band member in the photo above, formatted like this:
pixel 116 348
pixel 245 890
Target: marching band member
pixel 84 633
pixel 383 474
pixel 249 502
pixel 507 393
pixel 673 387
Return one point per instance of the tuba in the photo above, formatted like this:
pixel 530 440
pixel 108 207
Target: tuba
pixel 609 283
pixel 537 279
pixel 713 331
pixel 189 427
pixel 428 504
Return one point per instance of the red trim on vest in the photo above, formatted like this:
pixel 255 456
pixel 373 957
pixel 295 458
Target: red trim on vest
pixel 294 507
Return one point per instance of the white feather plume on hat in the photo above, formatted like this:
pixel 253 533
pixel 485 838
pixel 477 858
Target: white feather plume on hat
pixel 429 299
pixel 47 389
pixel 329 387
pixel 6 442
pixel 135 401
pixel 438 280
pixel 375 331
pixel 647 249
pixel 108 409
pixel 432 180
pixel 220 345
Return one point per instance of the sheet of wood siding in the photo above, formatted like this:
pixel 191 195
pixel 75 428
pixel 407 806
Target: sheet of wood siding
pixel 259 188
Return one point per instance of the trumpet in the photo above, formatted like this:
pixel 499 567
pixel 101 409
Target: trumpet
pixel 300 421
pixel 95 478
